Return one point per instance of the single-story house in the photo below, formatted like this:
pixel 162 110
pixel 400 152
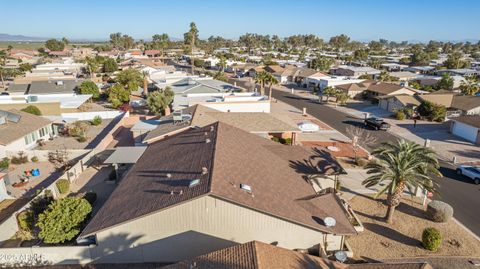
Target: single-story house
pixel 213 187
pixel 403 75
pixel 466 104
pixel 466 127
pixel 20 131
pixel 54 87
pixel 263 124
pixel 354 71
pixel 354 90
pixel 381 88
pixel 464 72
pixel 393 103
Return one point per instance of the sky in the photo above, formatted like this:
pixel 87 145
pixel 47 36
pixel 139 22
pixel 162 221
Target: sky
pixel 363 20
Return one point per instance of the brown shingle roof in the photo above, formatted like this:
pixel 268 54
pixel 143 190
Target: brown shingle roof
pixel 256 255
pixel 465 102
pixel 355 87
pixel 443 99
pixel 384 88
pixel 469 120
pixel 232 157
pixel 28 123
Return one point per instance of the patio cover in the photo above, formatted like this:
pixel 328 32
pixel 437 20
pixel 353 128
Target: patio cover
pixel 125 155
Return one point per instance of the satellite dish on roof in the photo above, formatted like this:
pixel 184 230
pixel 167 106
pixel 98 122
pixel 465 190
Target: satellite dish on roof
pixel 341 256
pixel 329 221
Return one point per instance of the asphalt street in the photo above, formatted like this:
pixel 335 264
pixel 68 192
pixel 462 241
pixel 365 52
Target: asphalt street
pixel 458 191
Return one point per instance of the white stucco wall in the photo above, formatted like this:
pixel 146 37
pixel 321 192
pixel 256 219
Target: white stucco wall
pixel 197 227
pixel 258 106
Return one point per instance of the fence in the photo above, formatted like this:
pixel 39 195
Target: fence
pixel 42 155
pixel 111 114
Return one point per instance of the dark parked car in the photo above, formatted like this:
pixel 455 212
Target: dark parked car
pixel 377 124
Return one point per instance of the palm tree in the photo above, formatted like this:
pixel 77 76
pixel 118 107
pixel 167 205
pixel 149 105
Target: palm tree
pixel 3 60
pixel 261 78
pixel 402 164
pixel 92 66
pixel 470 86
pixel 145 76
pixel 270 80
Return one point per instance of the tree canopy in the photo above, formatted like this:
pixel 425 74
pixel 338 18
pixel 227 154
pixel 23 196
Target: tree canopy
pixel 159 101
pixel 62 220
pixel 89 87
pixel 130 78
pixel 55 45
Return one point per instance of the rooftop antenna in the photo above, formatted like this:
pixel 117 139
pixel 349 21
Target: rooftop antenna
pixel 207 140
pixel 169 175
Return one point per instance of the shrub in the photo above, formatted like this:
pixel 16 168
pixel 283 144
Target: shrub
pixel 400 115
pixel 63 219
pixel 439 211
pixel 431 239
pixel 32 110
pixel 288 141
pixel 4 163
pixel 22 158
pixel 97 120
pixel 63 185
pixel 89 87
pixel 116 103
pixel 82 139
pixel 34 159
pixel 25 220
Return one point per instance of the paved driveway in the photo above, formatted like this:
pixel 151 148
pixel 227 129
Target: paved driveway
pixel 453 189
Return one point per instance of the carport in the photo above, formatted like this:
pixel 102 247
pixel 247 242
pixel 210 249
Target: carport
pixel 123 157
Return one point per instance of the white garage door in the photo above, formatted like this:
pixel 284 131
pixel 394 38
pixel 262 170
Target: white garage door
pixel 465 131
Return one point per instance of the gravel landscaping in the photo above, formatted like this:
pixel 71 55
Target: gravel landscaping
pixel 403 238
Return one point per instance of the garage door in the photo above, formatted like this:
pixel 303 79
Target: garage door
pixel 465 131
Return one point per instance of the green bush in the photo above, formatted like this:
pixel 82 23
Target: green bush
pixel 32 110
pixel 34 159
pixel 116 103
pixel 63 185
pixel 25 220
pixel 39 204
pixel 400 115
pixel 4 163
pixel 63 219
pixel 97 120
pixel 431 239
pixel 82 139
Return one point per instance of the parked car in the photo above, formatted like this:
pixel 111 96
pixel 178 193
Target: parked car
pixel 377 124
pixel 470 171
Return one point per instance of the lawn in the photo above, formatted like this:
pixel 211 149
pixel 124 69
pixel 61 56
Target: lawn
pixel 403 238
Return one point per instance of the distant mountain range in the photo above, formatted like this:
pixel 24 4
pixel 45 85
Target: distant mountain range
pixel 7 37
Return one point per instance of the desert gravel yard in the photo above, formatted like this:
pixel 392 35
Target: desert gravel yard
pixel 403 238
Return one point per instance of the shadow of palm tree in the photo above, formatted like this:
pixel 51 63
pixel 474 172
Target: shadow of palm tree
pixel 392 234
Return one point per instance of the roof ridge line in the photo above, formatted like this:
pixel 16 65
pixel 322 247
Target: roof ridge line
pixel 214 125
pixel 256 259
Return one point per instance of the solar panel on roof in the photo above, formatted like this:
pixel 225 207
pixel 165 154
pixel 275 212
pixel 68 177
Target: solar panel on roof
pixel 10 116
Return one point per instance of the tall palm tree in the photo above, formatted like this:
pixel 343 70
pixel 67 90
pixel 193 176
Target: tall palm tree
pixel 3 60
pixel 145 76
pixel 261 78
pixel 401 164
pixel 470 86
pixel 270 80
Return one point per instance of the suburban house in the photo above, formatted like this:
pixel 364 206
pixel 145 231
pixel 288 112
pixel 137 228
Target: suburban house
pixel 20 131
pixel 263 124
pixel 403 75
pixel 375 90
pixel 466 127
pixel 354 90
pixel 208 188
pixel 464 72
pixel 354 71
pixel 258 255
pixel 217 94
pixel 456 104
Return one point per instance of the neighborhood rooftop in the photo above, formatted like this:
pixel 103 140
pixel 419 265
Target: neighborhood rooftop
pixel 27 123
pixel 219 165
